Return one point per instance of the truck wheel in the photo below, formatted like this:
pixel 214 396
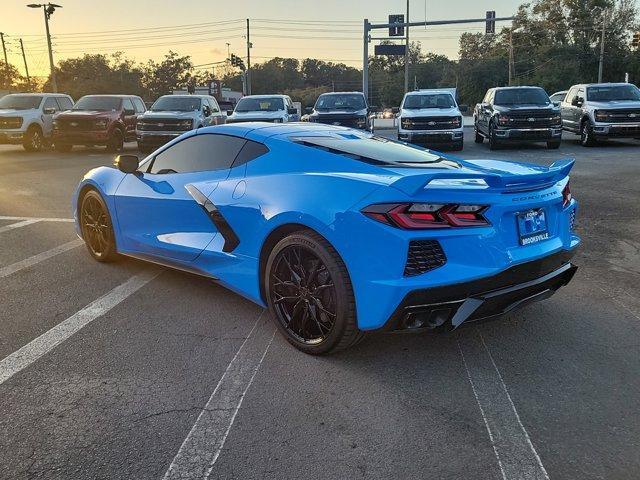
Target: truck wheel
pixel 553 144
pixel 493 141
pixel 479 138
pixel 33 140
pixel 116 142
pixel 586 134
pixel 458 146
pixel 62 147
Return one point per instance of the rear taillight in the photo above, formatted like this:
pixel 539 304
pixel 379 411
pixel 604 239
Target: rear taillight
pixel 416 216
pixel 566 195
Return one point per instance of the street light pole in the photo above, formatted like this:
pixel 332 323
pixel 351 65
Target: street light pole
pixel 406 54
pixel 604 26
pixel 48 9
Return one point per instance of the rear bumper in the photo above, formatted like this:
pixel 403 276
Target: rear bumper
pixel 11 137
pixel 533 134
pixel 448 307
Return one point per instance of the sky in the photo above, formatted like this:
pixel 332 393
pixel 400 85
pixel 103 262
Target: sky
pixel 331 30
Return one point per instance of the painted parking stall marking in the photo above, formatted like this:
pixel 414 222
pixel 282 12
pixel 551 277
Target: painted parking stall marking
pixel 38 219
pixel 517 457
pixel 200 450
pixel 46 342
pixel 29 262
pixel 22 223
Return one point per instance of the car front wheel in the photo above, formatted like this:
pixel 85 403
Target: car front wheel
pixel 493 141
pixel 33 140
pixel 309 294
pixel 586 134
pixel 96 227
pixel 116 142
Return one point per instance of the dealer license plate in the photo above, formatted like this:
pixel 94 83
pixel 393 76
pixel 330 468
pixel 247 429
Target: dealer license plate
pixel 532 226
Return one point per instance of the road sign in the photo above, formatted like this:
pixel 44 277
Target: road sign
pixel 399 30
pixel 491 23
pixel 215 88
pixel 390 49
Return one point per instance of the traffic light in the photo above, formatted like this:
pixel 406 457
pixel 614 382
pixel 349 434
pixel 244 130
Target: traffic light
pixel 491 23
pixel 236 61
pixel 636 40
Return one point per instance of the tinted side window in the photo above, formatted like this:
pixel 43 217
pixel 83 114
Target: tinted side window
pixel 126 104
pixel 250 151
pixel 198 153
pixel 50 103
pixel 139 105
pixel 64 103
pixel 214 105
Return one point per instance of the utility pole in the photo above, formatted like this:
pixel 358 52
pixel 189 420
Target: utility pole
pixel 406 54
pixel 510 55
pixel 4 49
pixel 48 9
pixel 604 26
pixel 365 60
pixel 24 57
pixel 248 72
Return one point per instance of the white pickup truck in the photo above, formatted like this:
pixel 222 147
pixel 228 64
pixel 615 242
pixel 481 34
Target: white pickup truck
pixel 431 117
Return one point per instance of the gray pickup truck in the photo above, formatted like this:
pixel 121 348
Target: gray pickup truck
pixel 599 111
pixel 172 115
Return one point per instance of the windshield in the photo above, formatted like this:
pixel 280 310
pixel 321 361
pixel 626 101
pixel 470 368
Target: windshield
pixel 271 104
pixel 378 151
pixel 20 102
pixel 613 92
pixel 98 103
pixel 351 101
pixel 519 96
pixel 437 100
pixel 178 104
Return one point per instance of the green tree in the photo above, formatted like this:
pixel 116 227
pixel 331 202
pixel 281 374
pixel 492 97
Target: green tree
pixel 161 78
pixel 10 78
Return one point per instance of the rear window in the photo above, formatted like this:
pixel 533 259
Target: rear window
pixel 377 151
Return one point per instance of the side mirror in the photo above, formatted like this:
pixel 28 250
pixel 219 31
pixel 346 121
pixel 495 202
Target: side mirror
pixel 308 110
pixel 229 112
pixel 49 111
pixel 128 111
pixel 557 104
pixel 206 111
pixel 577 101
pixel 292 111
pixel 395 110
pixel 126 163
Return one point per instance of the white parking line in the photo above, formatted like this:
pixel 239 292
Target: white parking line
pixel 200 450
pixel 517 457
pixel 46 342
pixel 28 262
pixel 23 223
pixel 38 219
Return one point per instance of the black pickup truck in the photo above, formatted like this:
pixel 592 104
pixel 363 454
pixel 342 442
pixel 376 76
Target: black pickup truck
pixel 517 114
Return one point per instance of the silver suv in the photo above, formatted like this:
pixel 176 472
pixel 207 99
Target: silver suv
pixel 172 115
pixel 26 118
pixel 602 110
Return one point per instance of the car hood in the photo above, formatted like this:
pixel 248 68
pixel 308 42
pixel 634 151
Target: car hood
pixel 525 107
pixel 429 112
pixel 257 115
pixel 169 114
pixel 615 104
pixel 12 112
pixel 87 114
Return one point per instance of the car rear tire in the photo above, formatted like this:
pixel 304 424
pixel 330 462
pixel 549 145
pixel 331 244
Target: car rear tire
pixel 553 145
pixel 309 294
pixel 96 227
pixel 458 146
pixel 116 142
pixel 586 134
pixel 33 140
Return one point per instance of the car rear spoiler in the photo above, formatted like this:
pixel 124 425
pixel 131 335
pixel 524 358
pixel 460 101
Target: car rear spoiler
pixel 504 182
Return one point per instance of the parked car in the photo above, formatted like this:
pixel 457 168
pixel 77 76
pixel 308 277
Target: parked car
pixel 516 114
pixel 108 120
pixel 337 231
pixel 349 109
pixel 557 97
pixel 264 108
pixel 431 117
pixel 27 118
pixel 172 115
pixel 599 111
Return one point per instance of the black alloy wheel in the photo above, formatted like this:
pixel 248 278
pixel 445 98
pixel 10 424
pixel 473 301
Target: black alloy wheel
pixel 493 140
pixel 309 294
pixel 96 227
pixel 586 134
pixel 33 141
pixel 116 142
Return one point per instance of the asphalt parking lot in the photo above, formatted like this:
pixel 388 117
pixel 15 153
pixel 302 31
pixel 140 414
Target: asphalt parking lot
pixel 132 371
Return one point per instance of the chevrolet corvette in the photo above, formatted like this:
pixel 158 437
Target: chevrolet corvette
pixel 336 231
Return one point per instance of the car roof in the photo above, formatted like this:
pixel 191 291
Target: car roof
pixel 184 95
pixel 260 131
pixel 35 94
pixel 265 96
pixel 115 95
pixel 342 93
pixel 517 87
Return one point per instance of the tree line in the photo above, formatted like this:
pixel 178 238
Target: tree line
pixel 556 43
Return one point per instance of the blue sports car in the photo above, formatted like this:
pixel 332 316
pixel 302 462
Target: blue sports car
pixel 337 231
